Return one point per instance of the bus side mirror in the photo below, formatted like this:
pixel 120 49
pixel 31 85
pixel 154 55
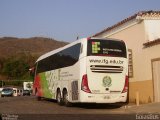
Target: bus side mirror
pixel 32 71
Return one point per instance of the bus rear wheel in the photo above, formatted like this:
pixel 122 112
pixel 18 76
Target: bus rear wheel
pixel 65 99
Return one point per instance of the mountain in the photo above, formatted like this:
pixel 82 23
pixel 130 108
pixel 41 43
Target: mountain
pixel 10 46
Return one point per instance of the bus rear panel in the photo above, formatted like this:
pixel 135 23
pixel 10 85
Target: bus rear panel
pixel 106 76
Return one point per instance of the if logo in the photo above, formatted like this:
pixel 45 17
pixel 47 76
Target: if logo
pixel 95 47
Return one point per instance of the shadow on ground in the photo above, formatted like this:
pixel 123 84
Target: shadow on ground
pixel 92 105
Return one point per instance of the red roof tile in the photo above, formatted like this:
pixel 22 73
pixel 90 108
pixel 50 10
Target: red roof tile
pixel 152 43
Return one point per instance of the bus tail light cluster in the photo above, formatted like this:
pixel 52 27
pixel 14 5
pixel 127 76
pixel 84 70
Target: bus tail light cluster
pixel 125 89
pixel 84 85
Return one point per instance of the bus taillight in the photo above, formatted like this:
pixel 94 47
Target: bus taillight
pixel 84 85
pixel 125 89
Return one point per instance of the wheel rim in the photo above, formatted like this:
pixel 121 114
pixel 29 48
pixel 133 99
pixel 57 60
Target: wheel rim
pixel 66 98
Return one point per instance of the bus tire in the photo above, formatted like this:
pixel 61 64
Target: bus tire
pixel 59 98
pixel 65 99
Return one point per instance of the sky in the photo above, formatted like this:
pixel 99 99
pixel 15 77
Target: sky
pixel 64 20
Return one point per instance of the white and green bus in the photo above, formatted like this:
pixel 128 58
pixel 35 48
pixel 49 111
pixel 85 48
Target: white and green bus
pixel 89 70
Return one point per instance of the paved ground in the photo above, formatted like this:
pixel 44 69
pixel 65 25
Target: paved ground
pixel 145 108
pixel 26 107
pixel 29 105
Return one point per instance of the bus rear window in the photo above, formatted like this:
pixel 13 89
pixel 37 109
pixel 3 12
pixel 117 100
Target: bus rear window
pixel 111 48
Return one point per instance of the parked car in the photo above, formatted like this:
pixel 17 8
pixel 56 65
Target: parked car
pixel 26 93
pixel 7 92
pixel 18 91
pixel 1 91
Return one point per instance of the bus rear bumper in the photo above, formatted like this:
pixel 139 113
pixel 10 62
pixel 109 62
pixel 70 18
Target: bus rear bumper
pixel 103 98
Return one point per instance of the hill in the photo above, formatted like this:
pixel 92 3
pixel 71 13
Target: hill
pixel 17 55
pixel 10 46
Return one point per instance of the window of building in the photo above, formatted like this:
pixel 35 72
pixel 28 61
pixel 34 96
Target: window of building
pixel 130 63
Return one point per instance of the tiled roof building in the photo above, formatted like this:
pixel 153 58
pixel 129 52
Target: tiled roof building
pixel 141 32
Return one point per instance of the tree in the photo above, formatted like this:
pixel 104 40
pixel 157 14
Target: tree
pixel 15 68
